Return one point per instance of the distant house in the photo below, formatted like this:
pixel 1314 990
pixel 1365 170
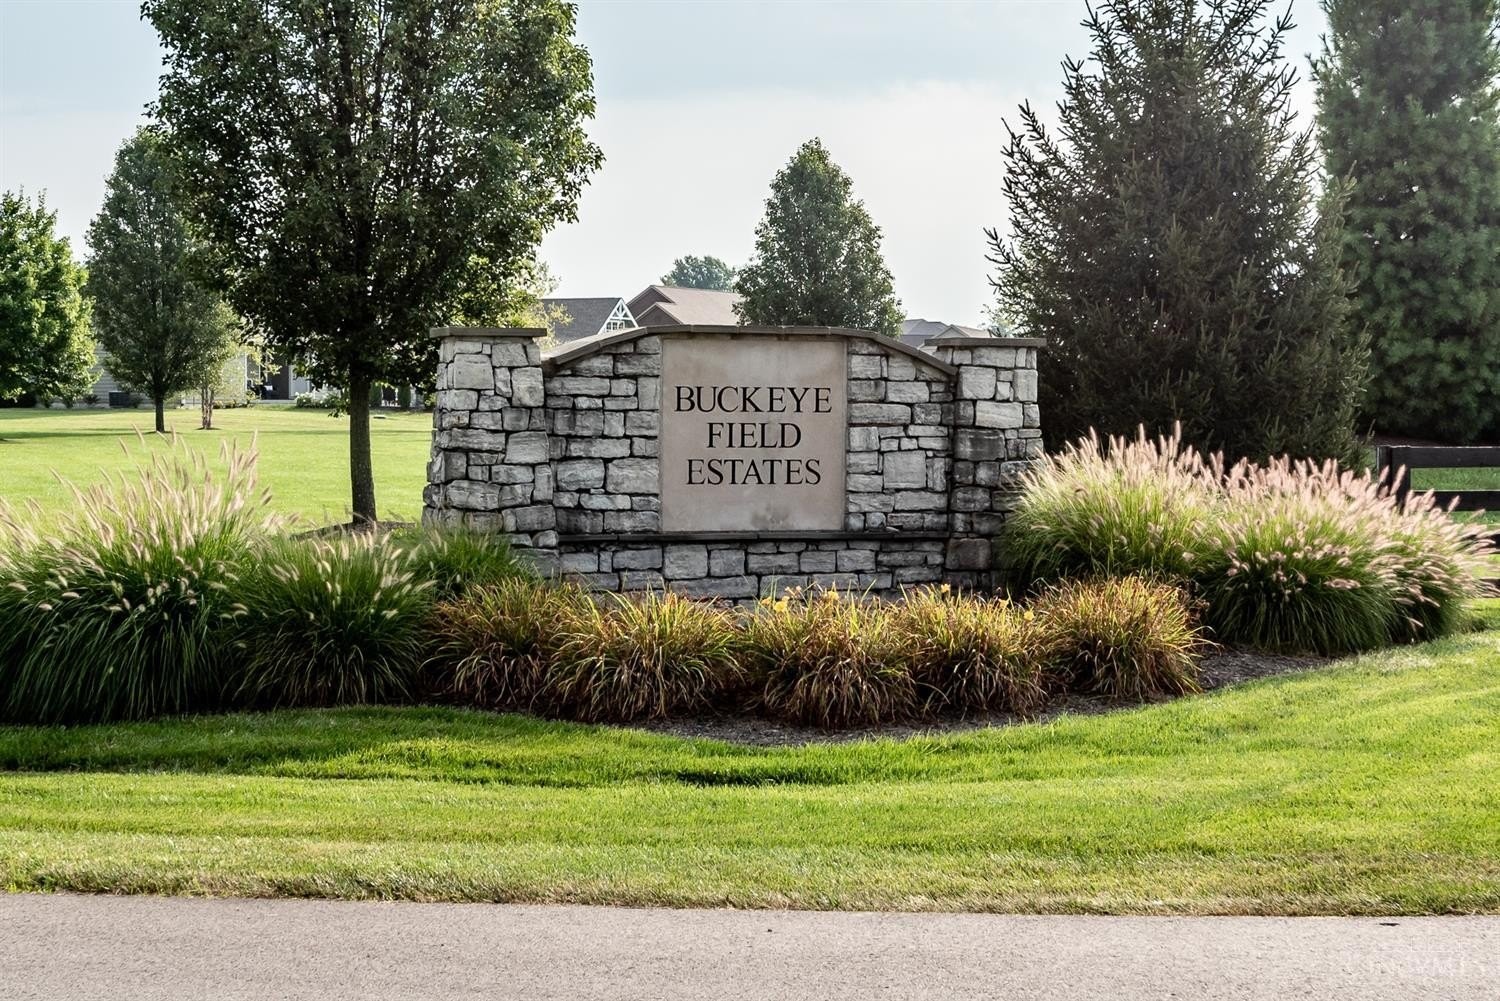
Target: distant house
pixel 915 331
pixel 663 305
pixel 587 317
pixel 271 381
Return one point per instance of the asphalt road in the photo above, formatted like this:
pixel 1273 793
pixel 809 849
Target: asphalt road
pixel 125 948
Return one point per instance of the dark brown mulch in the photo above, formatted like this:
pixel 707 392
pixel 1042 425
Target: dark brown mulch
pixel 1220 669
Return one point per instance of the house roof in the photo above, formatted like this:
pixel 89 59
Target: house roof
pixel 916 331
pixel 661 304
pixel 586 317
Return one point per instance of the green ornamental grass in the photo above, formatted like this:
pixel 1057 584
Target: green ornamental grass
pixel 120 607
pixel 1285 556
pixel 331 622
pixel 1113 507
pixel 456 560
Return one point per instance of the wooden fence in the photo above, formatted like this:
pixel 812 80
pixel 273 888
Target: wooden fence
pixel 1398 461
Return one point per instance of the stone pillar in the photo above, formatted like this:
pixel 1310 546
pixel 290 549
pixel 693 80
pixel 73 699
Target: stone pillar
pixel 996 433
pixel 491 469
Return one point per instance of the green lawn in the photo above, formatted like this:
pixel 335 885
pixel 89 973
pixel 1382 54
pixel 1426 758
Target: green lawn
pixel 304 454
pixel 1369 787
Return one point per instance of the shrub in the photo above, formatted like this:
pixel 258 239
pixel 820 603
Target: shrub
pixel 1122 637
pixel 821 660
pixel 493 644
pixel 968 654
pixel 332 623
pixel 456 560
pixel 645 657
pixel 118 608
pixel 1125 506
pixel 1302 561
pixel 1439 565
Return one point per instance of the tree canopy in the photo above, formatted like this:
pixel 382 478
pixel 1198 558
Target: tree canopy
pixel 1409 111
pixel 355 160
pixel 1167 241
pixel 817 254
pixel 700 272
pixel 46 349
pixel 163 329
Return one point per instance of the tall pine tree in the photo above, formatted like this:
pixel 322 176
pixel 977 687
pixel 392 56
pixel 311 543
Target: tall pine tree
pixel 1409 110
pixel 1166 240
pixel 817 254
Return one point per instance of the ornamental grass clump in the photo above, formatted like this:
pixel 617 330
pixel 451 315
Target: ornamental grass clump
pixel 968 654
pixel 331 622
pixel 1439 565
pixel 118 606
pixel 493 644
pixel 1123 637
pixel 824 659
pixel 1303 561
pixel 456 560
pixel 1109 508
pixel 622 658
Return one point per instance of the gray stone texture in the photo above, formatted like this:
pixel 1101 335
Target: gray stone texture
pixel 548 451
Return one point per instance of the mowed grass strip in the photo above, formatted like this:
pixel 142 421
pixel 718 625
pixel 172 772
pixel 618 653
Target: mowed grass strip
pixel 304 454
pixel 1370 787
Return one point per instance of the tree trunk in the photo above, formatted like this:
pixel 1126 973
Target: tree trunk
pixel 206 398
pixel 361 475
pixel 161 414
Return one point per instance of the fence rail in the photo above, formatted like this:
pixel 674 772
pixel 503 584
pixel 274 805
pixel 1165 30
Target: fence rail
pixel 1398 461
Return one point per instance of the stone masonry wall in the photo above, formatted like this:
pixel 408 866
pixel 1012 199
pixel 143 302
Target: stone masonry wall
pixel 561 455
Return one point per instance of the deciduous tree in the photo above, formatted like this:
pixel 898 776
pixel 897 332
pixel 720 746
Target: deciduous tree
pixel 352 159
pixel 817 254
pixel 700 272
pixel 1409 110
pixel 46 349
pixel 163 329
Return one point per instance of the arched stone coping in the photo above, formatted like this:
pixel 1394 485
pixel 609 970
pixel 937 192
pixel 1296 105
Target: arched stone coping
pixel 574 350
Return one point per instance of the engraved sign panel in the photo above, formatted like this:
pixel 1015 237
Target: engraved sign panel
pixel 753 434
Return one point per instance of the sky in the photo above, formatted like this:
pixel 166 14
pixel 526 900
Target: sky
pixel 700 102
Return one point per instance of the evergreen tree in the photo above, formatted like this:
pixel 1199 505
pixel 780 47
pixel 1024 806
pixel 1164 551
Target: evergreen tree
pixel 1166 240
pixel 162 329
pixel 817 254
pixel 700 272
pixel 1409 110
pixel 46 349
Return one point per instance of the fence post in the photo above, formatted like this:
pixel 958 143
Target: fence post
pixel 1400 472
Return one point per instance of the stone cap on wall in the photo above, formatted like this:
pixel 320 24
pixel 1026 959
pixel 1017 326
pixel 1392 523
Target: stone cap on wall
pixel 964 341
pixel 485 333
pixel 574 350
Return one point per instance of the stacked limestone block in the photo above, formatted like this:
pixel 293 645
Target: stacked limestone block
pixel 603 416
pixel 899 445
pixel 491 465
pixel 744 569
pixel 561 454
pixel 996 435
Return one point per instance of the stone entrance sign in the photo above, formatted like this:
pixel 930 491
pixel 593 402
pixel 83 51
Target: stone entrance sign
pixel 753 434
pixel 736 461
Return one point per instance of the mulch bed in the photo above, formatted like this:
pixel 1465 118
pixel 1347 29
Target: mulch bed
pixel 1220 669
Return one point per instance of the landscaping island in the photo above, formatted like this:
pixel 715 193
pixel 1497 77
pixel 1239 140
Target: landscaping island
pixel 1367 787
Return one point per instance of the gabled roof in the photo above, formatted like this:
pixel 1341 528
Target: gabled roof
pixel 916 331
pixel 586 317
pixel 659 304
